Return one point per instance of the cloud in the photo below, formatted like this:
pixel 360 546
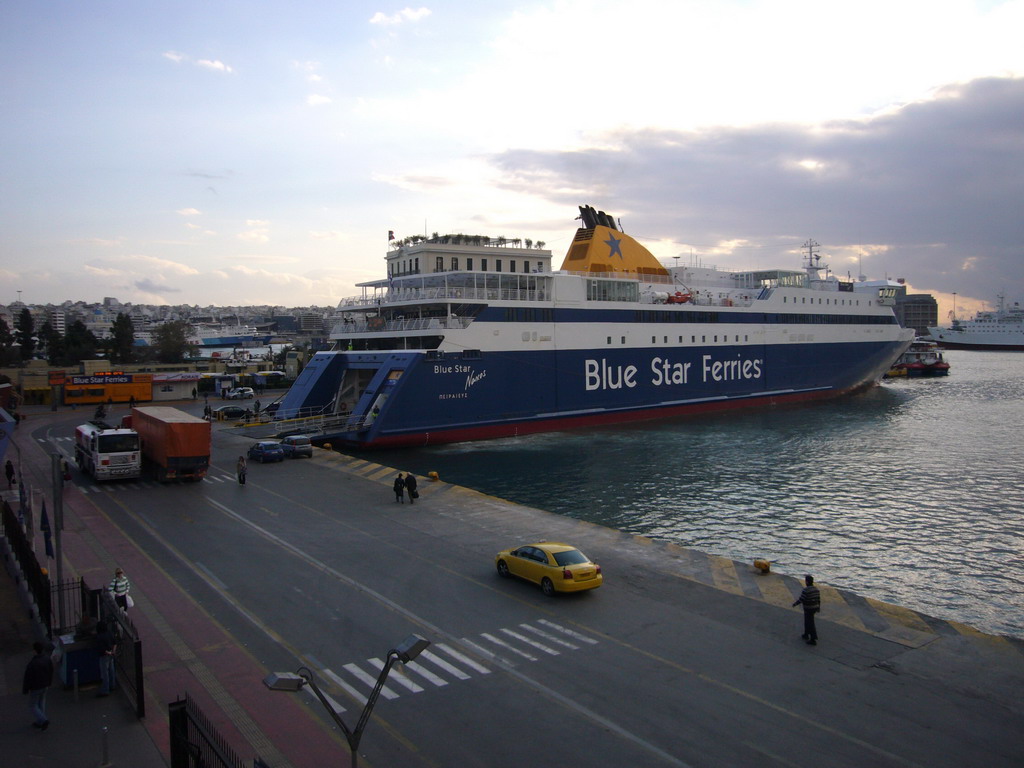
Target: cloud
pixel 188 212
pixel 316 100
pixel 216 65
pixel 213 64
pixel 149 286
pixel 930 191
pixel 402 16
pixel 258 232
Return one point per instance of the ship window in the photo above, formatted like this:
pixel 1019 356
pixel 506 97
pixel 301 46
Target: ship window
pixel 526 266
pixel 416 264
pixel 609 339
pixel 511 265
pixel 469 262
pixel 455 263
pixel 785 299
pixel 483 264
pixel 703 339
pixel 471 354
pixel 716 338
pixel 666 339
pixel 439 265
pixel 693 339
pixel 623 339
pixel 497 265
pixel 540 266
pixel 654 339
pixel 746 338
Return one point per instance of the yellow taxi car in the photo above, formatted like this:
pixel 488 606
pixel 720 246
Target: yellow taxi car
pixel 555 566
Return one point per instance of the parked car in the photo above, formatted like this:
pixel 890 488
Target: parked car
pixel 297 445
pixel 229 412
pixel 554 566
pixel 241 393
pixel 266 450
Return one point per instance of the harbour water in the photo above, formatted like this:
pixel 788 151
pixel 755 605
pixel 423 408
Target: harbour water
pixel 911 493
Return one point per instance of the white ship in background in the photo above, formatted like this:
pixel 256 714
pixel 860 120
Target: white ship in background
pixel 1002 329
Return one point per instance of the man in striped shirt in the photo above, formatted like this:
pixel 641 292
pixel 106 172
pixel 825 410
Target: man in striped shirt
pixel 810 598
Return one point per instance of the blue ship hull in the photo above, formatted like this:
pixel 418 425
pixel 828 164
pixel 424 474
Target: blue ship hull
pixel 424 398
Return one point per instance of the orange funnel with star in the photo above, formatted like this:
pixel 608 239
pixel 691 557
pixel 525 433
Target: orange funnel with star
pixel 599 247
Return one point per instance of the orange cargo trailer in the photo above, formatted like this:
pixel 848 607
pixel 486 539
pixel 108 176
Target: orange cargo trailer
pixel 176 444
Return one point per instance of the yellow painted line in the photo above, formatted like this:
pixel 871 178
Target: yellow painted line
pixel 835 608
pixel 381 473
pixel 898 615
pixel 723 573
pixel 774 590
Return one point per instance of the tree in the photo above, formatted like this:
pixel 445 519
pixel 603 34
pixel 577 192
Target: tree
pixel 171 341
pixel 122 339
pixel 79 344
pixel 51 343
pixel 24 333
pixel 8 355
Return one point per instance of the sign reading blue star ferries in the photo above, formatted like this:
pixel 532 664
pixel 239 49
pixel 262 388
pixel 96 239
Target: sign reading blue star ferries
pixel 615 246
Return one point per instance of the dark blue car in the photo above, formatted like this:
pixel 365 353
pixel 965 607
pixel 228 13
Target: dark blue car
pixel 266 451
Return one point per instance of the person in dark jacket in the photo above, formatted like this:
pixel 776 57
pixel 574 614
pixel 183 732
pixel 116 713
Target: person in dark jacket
pixel 810 598
pixel 106 649
pixel 38 679
pixel 400 489
pixel 9 471
pixel 410 486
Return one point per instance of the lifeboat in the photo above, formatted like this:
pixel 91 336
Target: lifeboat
pixel 679 298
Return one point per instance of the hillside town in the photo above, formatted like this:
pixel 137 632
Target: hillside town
pixel 81 353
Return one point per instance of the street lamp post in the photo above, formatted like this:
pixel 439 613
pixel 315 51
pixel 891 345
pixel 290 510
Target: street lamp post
pixel 406 651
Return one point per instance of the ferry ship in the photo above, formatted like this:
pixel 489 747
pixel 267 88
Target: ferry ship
pixel 1002 329
pixel 229 336
pixel 470 338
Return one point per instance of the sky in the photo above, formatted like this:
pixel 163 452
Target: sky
pixel 234 152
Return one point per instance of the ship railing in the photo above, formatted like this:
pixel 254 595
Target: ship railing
pixel 446 293
pixel 307 421
pixel 401 324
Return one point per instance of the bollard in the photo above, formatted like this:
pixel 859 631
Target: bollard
pixel 433 476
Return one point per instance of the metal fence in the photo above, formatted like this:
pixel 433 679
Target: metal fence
pixel 128 656
pixel 37 580
pixel 196 743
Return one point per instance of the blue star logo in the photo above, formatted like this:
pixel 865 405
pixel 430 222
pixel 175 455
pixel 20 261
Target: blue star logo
pixel 614 245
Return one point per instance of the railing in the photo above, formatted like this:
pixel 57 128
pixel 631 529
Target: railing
pixel 448 293
pixel 306 421
pixel 402 324
pixel 196 743
pixel 128 656
pixel 37 582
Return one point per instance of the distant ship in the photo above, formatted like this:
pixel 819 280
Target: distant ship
pixel 923 358
pixel 229 336
pixel 469 339
pixel 1002 329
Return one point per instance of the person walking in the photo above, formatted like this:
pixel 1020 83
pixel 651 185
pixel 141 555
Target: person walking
pixel 38 679
pixel 410 486
pixel 400 489
pixel 810 598
pixel 119 588
pixel 106 650
pixel 9 471
pixel 241 468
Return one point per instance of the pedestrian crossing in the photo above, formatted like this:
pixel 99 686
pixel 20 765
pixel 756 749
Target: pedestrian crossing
pixel 442 664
